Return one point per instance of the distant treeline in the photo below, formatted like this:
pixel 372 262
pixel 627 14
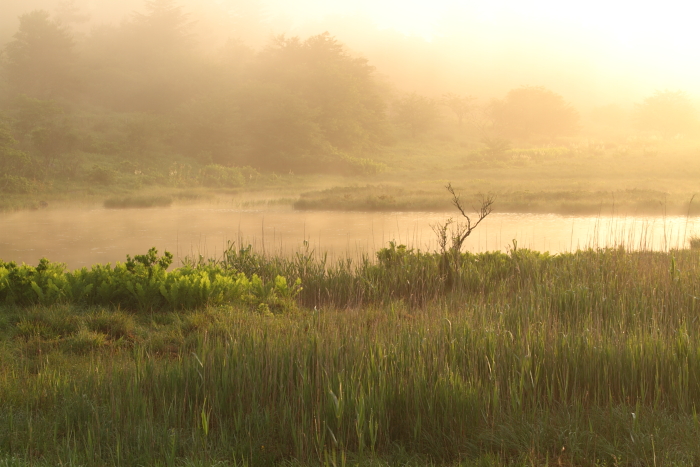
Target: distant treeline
pixel 146 87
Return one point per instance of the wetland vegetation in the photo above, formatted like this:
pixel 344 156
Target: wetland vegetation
pixel 519 358
pixel 399 356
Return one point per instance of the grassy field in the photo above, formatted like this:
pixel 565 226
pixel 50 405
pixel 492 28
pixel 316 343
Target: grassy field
pixel 585 358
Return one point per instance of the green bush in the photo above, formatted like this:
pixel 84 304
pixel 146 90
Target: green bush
pixel 102 175
pixel 219 176
pixel 142 283
pixel 16 184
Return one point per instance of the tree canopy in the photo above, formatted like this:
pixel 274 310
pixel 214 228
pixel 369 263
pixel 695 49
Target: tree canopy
pixel 298 104
pixel 40 58
pixel 460 105
pixel 668 113
pixel 416 113
pixel 534 110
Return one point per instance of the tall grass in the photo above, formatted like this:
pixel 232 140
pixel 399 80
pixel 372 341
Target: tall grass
pixel 587 358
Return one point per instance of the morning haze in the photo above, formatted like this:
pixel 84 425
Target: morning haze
pixel 373 106
pixel 373 233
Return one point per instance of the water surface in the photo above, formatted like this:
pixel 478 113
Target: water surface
pixel 84 236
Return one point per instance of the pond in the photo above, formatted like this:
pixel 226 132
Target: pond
pixel 84 236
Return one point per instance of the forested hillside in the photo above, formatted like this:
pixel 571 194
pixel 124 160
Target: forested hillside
pixel 145 93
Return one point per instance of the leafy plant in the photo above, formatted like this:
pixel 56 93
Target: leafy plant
pixel 142 283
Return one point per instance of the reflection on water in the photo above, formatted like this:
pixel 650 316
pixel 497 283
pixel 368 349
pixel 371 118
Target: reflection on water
pixel 81 237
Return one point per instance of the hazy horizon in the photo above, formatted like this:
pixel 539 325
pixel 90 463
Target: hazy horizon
pixel 605 53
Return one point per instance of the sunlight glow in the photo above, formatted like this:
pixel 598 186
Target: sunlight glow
pixel 656 44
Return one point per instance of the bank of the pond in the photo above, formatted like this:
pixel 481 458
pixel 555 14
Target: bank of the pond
pixel 585 358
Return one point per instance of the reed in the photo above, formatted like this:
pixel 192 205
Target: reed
pixel 585 358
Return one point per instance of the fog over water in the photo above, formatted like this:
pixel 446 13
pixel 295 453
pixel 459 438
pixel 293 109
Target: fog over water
pixel 161 97
pixel 82 237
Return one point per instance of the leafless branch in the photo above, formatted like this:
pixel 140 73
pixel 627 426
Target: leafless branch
pixel 463 231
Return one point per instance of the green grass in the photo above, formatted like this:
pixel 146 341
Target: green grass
pixel 512 359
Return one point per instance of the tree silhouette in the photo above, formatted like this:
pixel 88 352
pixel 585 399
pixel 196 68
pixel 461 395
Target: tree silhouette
pixel 534 110
pixel 460 105
pixel 40 58
pixel 666 112
pixel 417 113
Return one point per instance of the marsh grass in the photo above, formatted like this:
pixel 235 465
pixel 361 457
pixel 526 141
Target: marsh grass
pixel 560 201
pixel 585 358
pixel 138 202
pixel 694 242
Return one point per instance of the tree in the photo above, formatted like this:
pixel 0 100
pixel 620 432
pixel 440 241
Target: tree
pixel 452 235
pixel 301 105
pixel 417 113
pixel 40 58
pixel 69 12
pixel 42 126
pixel 667 112
pixel 339 88
pixel 149 63
pixel 460 105
pixel 164 30
pixel 534 110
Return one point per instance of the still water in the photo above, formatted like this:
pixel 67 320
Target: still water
pixel 83 236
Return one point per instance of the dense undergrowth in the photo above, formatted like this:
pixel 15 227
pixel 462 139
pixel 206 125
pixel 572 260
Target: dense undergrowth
pixel 519 358
pixel 142 283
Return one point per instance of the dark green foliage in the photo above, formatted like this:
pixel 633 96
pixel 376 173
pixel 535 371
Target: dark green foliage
pixel 16 184
pixel 14 163
pixel 54 140
pixel 101 175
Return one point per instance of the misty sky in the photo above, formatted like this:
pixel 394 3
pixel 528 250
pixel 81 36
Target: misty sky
pixel 633 47
pixel 593 53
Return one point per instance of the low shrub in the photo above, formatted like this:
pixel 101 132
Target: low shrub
pixel 101 175
pixel 142 283
pixel 16 184
pixel 219 176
